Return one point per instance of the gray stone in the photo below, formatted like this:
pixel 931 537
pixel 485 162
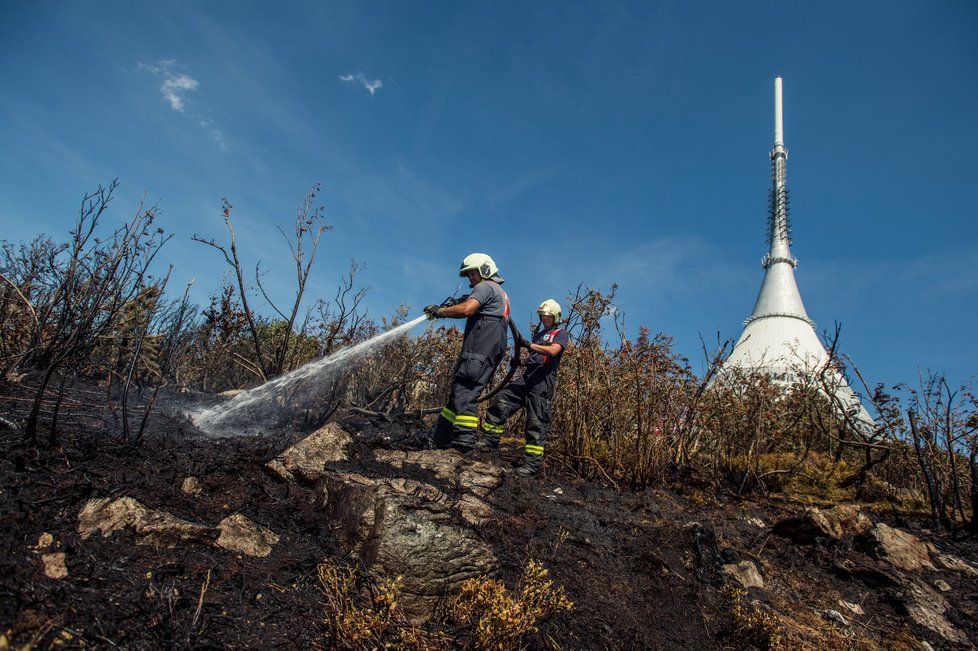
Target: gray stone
pixel 745 573
pixel 836 523
pixel 107 516
pixel 899 548
pixel 926 608
pixel 954 564
pixel 459 472
pixel 241 535
pixel 307 459
pixel 417 530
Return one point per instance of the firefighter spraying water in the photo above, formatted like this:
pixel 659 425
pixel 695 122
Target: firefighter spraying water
pixel 486 314
pixel 486 311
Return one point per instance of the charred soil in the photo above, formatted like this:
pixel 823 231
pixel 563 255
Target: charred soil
pixel 643 568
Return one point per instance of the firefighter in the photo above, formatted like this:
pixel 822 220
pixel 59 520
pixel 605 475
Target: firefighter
pixel 534 389
pixel 486 311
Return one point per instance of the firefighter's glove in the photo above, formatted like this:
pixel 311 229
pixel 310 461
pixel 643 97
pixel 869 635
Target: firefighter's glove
pixel 523 342
pixel 432 311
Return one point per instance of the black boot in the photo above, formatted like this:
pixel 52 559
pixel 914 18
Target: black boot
pixel 484 445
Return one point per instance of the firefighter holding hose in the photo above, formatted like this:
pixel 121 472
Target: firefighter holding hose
pixel 533 390
pixel 486 314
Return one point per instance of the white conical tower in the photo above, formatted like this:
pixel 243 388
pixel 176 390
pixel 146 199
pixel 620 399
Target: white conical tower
pixel 779 338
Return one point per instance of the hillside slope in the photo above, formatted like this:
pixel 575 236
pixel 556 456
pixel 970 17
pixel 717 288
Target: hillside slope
pixel 177 564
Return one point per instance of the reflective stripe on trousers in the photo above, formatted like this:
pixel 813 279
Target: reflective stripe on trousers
pixel 493 428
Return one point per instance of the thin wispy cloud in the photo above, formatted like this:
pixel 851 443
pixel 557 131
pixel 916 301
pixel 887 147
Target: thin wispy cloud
pixel 175 84
pixel 175 88
pixel 371 85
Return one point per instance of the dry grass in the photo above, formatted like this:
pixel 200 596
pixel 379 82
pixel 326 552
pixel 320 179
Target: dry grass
pixel 495 618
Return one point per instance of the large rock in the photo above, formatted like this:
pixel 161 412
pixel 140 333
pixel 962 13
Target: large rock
pixel 836 523
pixel 899 548
pixel 458 473
pixel 307 459
pixel 239 534
pixel 745 573
pixel 107 516
pixel 420 531
pixel 926 607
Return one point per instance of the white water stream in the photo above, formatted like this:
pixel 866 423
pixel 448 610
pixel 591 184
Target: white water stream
pixel 293 391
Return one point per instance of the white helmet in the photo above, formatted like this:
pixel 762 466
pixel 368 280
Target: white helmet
pixel 483 264
pixel 551 307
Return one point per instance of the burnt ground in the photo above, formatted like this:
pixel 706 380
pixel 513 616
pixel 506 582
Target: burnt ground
pixel 642 567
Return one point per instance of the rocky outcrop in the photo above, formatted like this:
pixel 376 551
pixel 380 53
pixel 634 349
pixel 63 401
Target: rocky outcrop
pixel 899 548
pixel 836 523
pixel 927 607
pixel 744 573
pixel 420 531
pixel 241 535
pixel 307 459
pixel 460 473
pixel 107 516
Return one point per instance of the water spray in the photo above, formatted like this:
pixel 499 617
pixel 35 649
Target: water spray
pixel 258 407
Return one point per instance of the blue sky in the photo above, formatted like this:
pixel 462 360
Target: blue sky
pixel 575 142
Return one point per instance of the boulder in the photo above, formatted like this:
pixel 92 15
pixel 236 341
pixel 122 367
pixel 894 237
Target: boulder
pixel 307 459
pixel 192 487
pixel 899 548
pixel 926 608
pixel 420 531
pixel 54 565
pixel 459 473
pixel 107 516
pixel 836 523
pixel 745 573
pixel 241 535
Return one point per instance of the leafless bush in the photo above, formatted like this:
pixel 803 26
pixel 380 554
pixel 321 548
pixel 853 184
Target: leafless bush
pixel 943 427
pixel 78 292
pixel 273 352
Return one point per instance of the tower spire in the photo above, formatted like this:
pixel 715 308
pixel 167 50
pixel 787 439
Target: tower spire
pixel 779 294
pixel 779 229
